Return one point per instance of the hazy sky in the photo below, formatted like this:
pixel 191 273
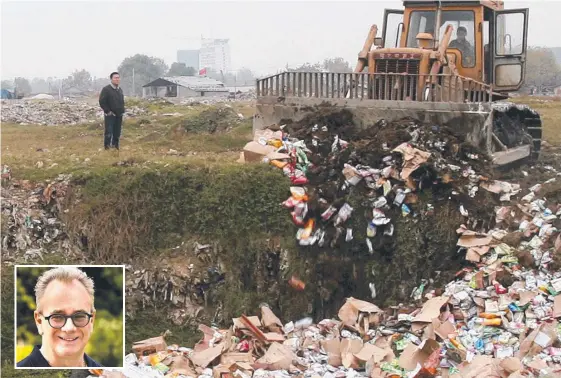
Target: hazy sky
pixel 46 38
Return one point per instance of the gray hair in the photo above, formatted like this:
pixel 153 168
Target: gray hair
pixel 65 274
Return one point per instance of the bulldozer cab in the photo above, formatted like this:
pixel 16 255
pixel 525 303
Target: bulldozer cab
pixel 488 43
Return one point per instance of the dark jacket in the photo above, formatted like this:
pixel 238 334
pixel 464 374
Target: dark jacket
pixel 36 359
pixel 112 100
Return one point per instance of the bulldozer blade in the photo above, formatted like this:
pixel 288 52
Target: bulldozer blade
pixel 511 155
pixel 468 119
pixel 475 121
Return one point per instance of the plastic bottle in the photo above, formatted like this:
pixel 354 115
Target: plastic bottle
pixel 457 344
pixel 400 196
pixel 299 180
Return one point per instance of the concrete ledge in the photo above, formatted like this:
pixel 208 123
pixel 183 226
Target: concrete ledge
pixel 379 104
pixel 468 119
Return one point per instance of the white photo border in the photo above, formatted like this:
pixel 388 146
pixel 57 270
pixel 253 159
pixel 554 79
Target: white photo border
pixel 74 266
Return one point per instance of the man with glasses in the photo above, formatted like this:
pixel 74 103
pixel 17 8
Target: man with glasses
pixel 64 317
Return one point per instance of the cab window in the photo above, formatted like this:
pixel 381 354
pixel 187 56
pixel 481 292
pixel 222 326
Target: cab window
pixel 420 22
pixel 463 35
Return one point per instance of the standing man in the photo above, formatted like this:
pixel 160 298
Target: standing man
pixel 112 102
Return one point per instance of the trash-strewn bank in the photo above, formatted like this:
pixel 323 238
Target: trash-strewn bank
pixel 344 269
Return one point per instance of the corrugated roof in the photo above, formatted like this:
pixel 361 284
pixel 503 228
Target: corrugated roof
pixel 197 83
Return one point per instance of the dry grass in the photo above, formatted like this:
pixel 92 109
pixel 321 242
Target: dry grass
pixel 40 152
pixel 147 140
pixel 549 109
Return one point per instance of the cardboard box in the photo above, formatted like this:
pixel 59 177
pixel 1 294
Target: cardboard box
pixel 430 310
pixel 417 354
pixel 205 357
pixel 277 357
pixel 149 346
pixel 255 152
pixel 232 357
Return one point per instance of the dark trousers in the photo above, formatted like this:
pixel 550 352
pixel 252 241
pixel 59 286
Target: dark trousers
pixel 112 131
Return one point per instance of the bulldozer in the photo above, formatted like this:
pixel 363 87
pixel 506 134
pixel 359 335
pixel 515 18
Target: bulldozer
pixel 451 63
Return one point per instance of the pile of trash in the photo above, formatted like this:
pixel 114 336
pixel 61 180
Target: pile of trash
pixel 498 318
pixel 375 176
pixel 30 218
pixel 245 96
pixel 386 166
pixel 181 280
pixel 473 329
pixel 67 112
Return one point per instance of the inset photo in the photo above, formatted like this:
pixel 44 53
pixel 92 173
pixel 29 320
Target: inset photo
pixel 69 316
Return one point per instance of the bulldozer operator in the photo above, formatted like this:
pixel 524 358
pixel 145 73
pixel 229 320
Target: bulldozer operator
pixel 462 44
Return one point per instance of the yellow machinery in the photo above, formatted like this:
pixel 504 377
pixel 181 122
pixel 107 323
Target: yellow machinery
pixel 446 62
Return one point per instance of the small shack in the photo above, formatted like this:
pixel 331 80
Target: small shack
pixel 183 87
pixel 7 95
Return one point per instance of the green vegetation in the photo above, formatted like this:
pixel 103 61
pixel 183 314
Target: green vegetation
pixel 155 141
pixel 150 205
pixel 549 109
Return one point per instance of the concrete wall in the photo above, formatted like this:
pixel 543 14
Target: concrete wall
pixel 469 119
pixel 186 92
pixel 154 92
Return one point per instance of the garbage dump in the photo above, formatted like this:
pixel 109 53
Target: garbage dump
pixel 31 226
pixel 67 112
pixel 388 197
pixel 336 174
pixel 182 281
pixel 363 191
pixel 498 318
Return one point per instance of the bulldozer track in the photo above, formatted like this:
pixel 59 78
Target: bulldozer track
pixel 534 127
pixel 516 125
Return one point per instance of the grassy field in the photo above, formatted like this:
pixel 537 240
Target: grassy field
pixel 549 109
pixel 41 152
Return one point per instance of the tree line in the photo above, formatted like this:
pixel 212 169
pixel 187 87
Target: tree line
pixel 543 72
pixel 135 71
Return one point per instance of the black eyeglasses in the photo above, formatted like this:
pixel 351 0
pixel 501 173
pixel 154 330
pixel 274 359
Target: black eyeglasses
pixel 80 319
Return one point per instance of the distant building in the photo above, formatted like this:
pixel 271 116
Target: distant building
pixel 189 57
pixel 557 91
pixel 184 86
pixel 6 94
pixel 215 55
